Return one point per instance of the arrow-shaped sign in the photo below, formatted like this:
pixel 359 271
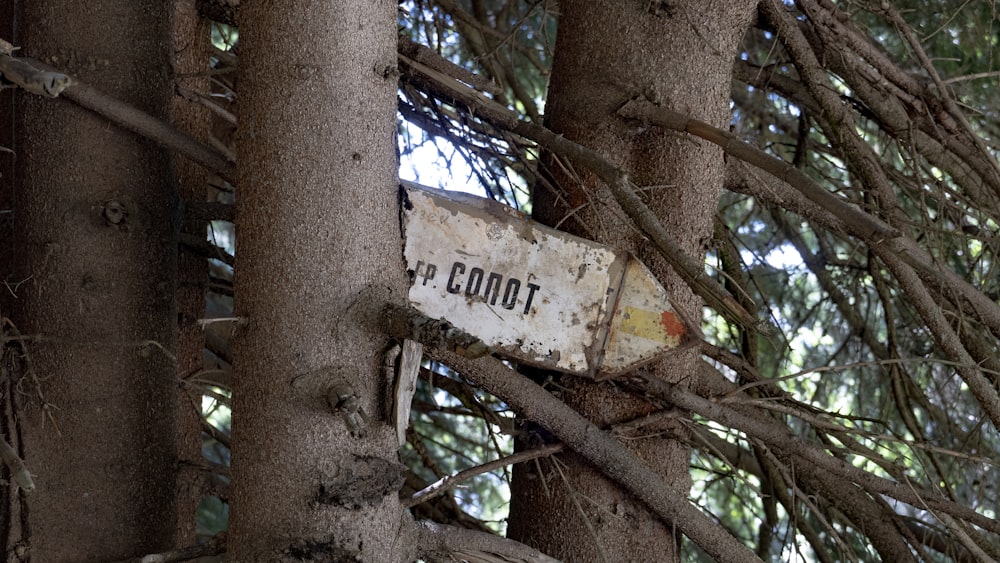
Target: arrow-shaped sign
pixel 531 292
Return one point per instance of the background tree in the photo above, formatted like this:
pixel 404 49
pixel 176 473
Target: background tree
pixel 90 389
pixel 681 64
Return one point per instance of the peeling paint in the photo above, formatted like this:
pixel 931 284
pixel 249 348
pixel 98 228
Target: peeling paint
pixel 530 292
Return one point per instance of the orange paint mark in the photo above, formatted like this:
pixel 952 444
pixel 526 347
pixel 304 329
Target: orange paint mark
pixel 671 324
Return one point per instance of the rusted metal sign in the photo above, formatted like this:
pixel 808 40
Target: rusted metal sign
pixel 530 292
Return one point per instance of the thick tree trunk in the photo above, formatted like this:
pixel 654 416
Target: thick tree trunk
pixel 678 54
pixel 319 254
pixel 96 240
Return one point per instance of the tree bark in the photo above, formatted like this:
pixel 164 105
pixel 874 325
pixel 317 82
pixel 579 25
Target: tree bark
pixel 6 169
pixel 678 54
pixel 319 254
pixel 96 391
pixel 190 61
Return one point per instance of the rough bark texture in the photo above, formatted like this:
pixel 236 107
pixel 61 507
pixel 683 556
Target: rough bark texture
pixel 678 54
pixel 319 253
pixel 95 233
pixel 6 166
pixel 9 500
pixel 191 40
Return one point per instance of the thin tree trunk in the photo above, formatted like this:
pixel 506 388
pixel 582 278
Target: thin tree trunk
pixel 6 167
pixel 678 54
pixel 192 38
pixel 96 392
pixel 318 256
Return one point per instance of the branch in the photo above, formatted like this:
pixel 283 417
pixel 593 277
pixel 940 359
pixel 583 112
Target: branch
pixel 214 546
pixel 875 232
pixel 603 450
pixel 897 101
pixel 19 474
pixel 946 337
pixel 450 481
pixel 856 221
pixel 222 11
pixel 141 123
pixel 778 437
pixel 410 50
pixel 209 211
pixel 437 542
pixel 903 256
pixel 20 72
pixel 838 123
pixel 949 103
pixel 206 249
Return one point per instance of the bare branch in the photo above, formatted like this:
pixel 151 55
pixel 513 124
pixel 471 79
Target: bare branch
pixel 451 481
pixel 778 437
pixel 19 473
pixel 437 542
pixel 141 123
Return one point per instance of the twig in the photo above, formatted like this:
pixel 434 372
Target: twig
pixel 199 98
pixel 574 496
pixel 411 50
pixel 907 32
pixel 857 221
pixel 441 485
pixel 216 434
pixel 222 11
pixel 29 370
pixel 947 338
pixel 839 123
pixel 779 438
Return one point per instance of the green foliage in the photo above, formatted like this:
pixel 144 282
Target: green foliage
pixel 213 516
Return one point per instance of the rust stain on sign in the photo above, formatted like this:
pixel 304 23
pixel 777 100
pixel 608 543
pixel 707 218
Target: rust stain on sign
pixel 530 292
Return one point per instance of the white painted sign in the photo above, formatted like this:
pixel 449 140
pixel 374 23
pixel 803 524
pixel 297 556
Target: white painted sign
pixel 530 292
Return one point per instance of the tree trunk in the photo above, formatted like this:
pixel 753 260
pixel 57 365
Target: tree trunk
pixel 679 54
pixel 96 391
pixel 6 169
pixel 319 255
pixel 190 61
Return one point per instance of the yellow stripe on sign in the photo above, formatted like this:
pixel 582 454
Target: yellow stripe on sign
pixel 658 326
